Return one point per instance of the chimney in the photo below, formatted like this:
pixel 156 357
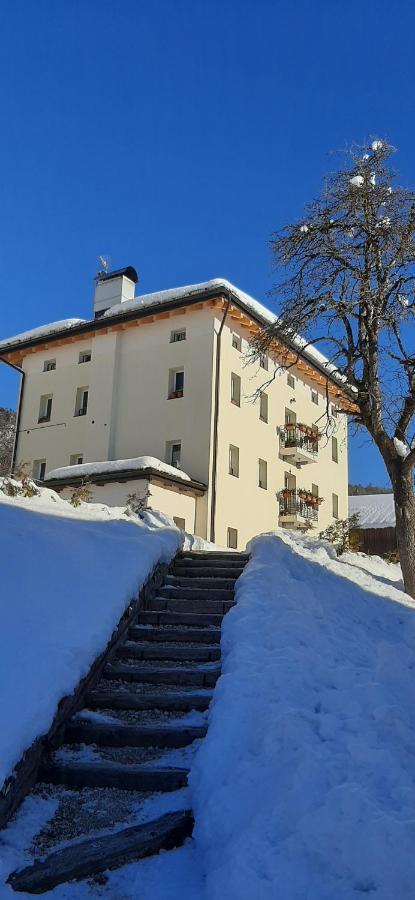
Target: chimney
pixel 112 288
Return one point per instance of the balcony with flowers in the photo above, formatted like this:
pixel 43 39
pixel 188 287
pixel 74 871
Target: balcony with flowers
pixel 298 506
pixel 298 443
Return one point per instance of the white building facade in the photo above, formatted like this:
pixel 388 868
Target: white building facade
pixel 166 376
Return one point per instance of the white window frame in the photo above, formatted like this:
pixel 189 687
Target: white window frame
pixel 45 408
pixel 81 407
pixel 39 469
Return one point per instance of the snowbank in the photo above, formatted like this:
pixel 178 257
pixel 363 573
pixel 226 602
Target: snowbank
pixel 305 784
pixel 374 510
pixel 117 465
pixel 68 574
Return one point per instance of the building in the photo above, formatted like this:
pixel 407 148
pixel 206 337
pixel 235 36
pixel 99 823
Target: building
pixel 166 376
pixel 376 531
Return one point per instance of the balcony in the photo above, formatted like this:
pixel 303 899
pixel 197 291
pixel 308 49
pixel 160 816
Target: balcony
pixel 298 507
pixel 298 443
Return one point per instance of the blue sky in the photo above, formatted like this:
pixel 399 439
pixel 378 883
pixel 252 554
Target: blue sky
pixel 177 137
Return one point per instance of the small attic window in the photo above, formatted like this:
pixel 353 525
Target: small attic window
pixel 179 335
pixel 236 342
pixel 49 365
pixel 85 356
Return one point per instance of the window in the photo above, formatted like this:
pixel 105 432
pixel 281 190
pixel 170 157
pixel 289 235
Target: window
pixel 81 402
pixel 76 459
pixel 234 461
pixel 290 417
pixel 262 474
pixel 180 523
pixel 314 397
pixel 334 412
pixel 335 506
pixel 263 361
pixel 179 335
pixel 314 490
pixel 45 408
pixel 49 365
pixel 39 469
pixel 334 450
pixel 236 342
pixel 291 381
pixel 176 383
pixel 232 538
pixel 84 356
pixel 174 453
pixel 235 389
pixel 263 406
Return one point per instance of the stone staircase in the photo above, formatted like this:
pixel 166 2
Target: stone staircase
pixel 125 757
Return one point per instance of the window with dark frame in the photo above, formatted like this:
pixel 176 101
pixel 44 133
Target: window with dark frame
pixel 263 406
pixel 49 365
pixel 45 408
pixel 232 538
pixel 235 389
pixel 262 474
pixel 178 335
pixel 234 461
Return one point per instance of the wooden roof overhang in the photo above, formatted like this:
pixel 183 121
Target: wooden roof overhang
pixel 217 298
pixel 162 479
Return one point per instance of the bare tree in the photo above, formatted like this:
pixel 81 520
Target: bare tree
pixel 7 426
pixel 349 282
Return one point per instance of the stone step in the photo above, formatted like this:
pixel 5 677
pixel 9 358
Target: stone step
pixel 209 556
pixel 190 581
pixel 183 605
pixel 185 570
pixel 150 675
pixel 174 701
pixel 200 620
pixel 191 593
pixel 108 851
pixel 121 735
pixel 162 635
pixel 113 775
pixel 133 650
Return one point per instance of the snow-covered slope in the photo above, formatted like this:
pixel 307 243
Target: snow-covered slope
pixel 304 788
pixel 67 576
pixel 374 510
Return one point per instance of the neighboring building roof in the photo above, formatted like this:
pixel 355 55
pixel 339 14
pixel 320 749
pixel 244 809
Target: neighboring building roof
pixel 173 297
pixel 122 470
pixel 374 510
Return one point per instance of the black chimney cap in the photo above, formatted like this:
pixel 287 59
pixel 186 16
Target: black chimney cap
pixel 129 271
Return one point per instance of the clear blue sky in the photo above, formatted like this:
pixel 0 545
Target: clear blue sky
pixel 176 136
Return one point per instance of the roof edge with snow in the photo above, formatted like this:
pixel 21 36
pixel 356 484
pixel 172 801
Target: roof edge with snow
pixel 141 307
pixel 121 471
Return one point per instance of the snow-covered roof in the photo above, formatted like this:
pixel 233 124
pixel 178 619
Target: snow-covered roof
pixel 41 331
pixel 116 465
pixel 375 510
pixel 146 301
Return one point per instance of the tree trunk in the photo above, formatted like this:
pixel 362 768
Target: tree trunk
pixel 404 499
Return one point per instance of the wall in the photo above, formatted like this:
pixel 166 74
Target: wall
pixel 163 499
pixel 241 503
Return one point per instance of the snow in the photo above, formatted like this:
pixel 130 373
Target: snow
pixel 377 145
pixel 401 448
pixel 61 325
pixel 357 180
pixel 304 229
pixel 305 784
pixel 69 576
pixel 374 510
pixel 116 465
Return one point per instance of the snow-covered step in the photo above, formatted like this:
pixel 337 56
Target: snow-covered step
pixel 195 593
pixel 134 700
pixel 113 775
pixel 201 570
pixel 172 651
pixel 164 617
pixel 214 556
pixel 198 605
pixel 191 581
pixel 179 634
pixel 123 735
pixel 201 677
pixel 107 851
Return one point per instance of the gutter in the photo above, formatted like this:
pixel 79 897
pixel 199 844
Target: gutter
pixel 216 422
pixel 19 407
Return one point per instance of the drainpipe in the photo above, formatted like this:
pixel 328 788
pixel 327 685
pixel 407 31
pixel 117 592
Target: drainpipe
pixel 216 421
pixel 19 409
